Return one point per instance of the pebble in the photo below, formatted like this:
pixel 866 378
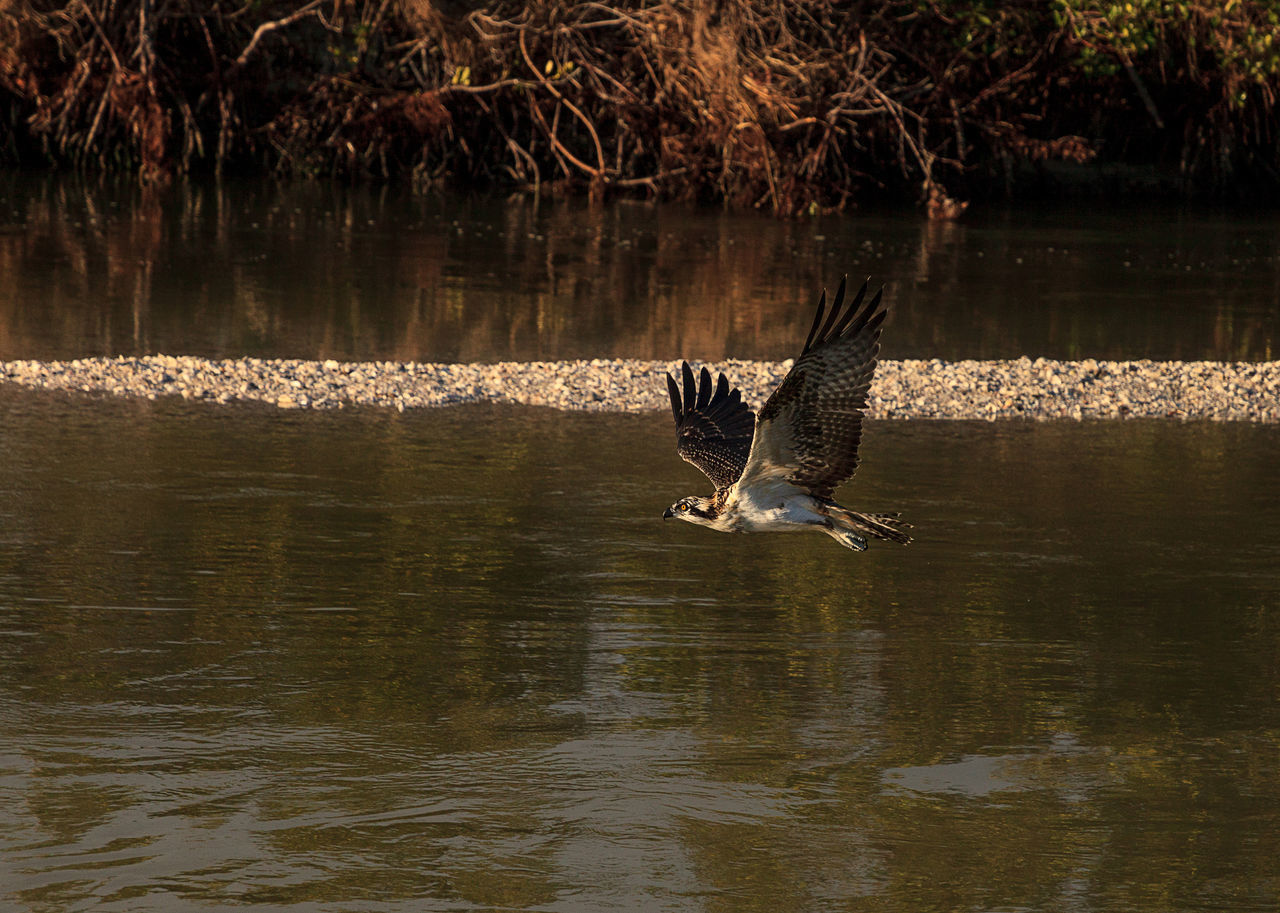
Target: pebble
pixel 1024 388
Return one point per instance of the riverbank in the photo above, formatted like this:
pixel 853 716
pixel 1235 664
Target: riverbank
pixel 788 108
pixel 1040 389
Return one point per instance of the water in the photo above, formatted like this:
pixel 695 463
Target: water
pixel 454 660
pixel 263 660
pixel 322 271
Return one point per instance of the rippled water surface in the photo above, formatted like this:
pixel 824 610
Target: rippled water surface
pixel 322 271
pixel 454 660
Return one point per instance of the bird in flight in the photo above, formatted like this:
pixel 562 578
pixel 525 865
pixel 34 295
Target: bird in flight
pixel 778 471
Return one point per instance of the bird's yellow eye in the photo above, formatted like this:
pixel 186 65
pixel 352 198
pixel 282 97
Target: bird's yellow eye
pixel 684 506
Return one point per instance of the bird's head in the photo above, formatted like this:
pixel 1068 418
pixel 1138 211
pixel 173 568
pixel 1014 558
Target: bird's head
pixel 694 509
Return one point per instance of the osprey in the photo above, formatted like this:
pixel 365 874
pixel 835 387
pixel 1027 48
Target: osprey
pixel 778 471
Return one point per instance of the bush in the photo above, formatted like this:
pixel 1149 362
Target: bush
pixel 787 107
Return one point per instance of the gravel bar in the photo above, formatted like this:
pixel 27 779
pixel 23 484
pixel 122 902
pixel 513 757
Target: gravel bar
pixel 1024 388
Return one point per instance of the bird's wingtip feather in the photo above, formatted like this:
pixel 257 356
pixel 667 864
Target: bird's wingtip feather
pixel 673 390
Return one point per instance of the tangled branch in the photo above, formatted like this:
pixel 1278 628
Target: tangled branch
pixel 786 107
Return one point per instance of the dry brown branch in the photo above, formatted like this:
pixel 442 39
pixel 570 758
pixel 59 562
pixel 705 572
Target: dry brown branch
pixel 1141 87
pixel 597 172
pixel 801 107
pixel 523 154
pixel 558 148
pixel 146 49
pixel 651 181
pixel 97 116
pixel 802 122
pixel 267 28
pixel 102 36
pixel 491 87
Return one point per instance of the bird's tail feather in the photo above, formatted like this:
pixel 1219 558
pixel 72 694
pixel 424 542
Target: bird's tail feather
pixel 881 526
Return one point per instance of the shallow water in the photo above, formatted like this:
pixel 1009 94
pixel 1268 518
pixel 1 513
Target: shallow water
pixel 454 660
pixel 322 271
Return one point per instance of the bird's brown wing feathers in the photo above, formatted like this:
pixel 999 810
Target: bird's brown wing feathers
pixel 713 425
pixel 809 429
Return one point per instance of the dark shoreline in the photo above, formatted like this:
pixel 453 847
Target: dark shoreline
pixel 787 109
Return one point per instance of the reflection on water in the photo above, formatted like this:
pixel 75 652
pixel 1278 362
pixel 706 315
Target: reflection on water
pixel 318 271
pixel 454 660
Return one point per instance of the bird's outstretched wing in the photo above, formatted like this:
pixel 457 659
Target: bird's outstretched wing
pixel 713 426
pixel 809 429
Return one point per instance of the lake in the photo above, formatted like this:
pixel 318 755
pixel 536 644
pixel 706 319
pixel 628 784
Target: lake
pixel 454 659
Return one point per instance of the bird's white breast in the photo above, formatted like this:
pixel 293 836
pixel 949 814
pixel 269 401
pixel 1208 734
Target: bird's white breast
pixel 770 506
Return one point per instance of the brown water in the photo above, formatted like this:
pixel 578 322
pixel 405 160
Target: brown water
pixel 322 271
pixel 454 660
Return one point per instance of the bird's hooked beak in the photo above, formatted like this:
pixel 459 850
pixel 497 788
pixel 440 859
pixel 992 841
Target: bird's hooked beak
pixel 668 514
